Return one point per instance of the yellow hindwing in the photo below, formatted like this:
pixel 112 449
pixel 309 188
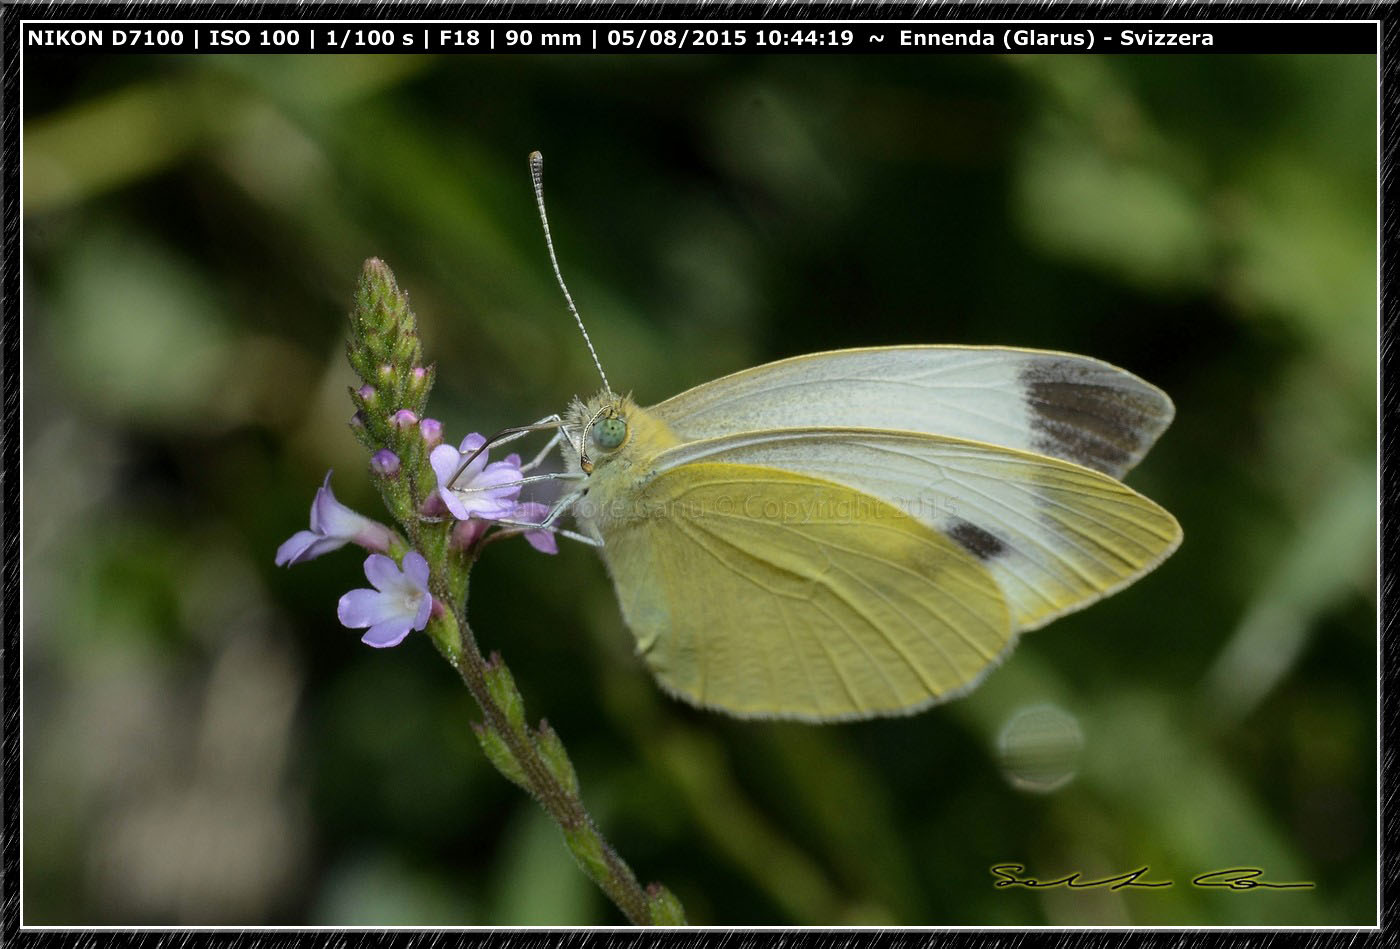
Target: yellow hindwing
pixel 768 593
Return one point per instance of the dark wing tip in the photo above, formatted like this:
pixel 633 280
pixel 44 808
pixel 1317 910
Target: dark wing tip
pixel 1092 414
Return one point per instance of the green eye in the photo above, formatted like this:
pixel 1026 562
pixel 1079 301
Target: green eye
pixel 609 433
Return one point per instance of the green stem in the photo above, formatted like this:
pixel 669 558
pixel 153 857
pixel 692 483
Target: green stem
pixel 594 854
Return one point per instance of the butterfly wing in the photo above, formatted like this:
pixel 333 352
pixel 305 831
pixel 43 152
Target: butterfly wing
pixel 767 593
pixel 1069 407
pixel 1055 536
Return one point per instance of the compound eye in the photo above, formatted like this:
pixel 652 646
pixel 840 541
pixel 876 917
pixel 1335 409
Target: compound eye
pixel 609 433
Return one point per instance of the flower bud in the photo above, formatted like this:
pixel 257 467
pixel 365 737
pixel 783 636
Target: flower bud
pixel 466 533
pixel 407 350
pixel 501 685
pixel 357 421
pixel 431 430
pixel 384 463
pixel 499 754
pixel 556 759
pixel 384 347
pixel 404 419
pixel 367 394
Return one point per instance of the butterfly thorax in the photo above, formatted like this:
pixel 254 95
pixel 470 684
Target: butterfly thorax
pixel 615 443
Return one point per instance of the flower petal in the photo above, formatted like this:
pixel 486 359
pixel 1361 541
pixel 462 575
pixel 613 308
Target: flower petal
pixel 337 520
pixel 496 473
pixel 295 548
pixel 362 607
pixel 323 545
pixel 484 506
pixel 323 504
pixel 543 541
pixel 383 573
pixel 470 444
pixel 388 633
pixel 425 610
pixel 445 460
pixel 495 483
pixel 415 569
pixel 454 503
pixel 324 491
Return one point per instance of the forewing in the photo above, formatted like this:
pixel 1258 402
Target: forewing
pixel 765 593
pixel 1069 407
pixel 1055 536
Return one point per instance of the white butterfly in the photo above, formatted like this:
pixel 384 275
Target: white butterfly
pixel 863 532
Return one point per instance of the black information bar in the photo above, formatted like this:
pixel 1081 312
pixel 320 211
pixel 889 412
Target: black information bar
pixel 698 36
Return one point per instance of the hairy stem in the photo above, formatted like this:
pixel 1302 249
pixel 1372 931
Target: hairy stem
pixel 540 777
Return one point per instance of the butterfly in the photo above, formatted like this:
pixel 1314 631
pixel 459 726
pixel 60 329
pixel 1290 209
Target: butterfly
pixel 860 533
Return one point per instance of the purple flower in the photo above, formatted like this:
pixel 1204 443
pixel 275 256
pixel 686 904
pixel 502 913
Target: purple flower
pixel 333 525
pixel 400 601
pixel 483 490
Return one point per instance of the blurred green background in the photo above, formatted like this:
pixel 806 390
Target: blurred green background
pixel 203 743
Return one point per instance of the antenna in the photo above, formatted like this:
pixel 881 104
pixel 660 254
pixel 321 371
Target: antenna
pixel 537 177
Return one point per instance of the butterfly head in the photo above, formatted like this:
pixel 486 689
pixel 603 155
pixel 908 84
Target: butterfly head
pixel 598 429
pixel 612 431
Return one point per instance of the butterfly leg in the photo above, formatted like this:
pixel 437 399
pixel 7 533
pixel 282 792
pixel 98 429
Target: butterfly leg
pixel 559 509
pixel 521 527
pixel 561 506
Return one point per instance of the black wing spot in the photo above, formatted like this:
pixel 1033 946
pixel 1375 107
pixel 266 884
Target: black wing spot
pixel 981 544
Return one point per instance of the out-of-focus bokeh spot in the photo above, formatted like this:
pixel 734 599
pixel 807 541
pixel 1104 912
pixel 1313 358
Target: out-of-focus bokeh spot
pixel 1039 748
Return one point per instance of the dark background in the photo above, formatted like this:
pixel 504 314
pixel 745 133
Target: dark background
pixel 203 743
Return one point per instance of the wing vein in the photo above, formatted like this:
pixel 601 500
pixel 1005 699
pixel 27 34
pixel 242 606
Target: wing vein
pixel 836 665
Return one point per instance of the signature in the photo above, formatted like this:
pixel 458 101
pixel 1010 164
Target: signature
pixel 1233 878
